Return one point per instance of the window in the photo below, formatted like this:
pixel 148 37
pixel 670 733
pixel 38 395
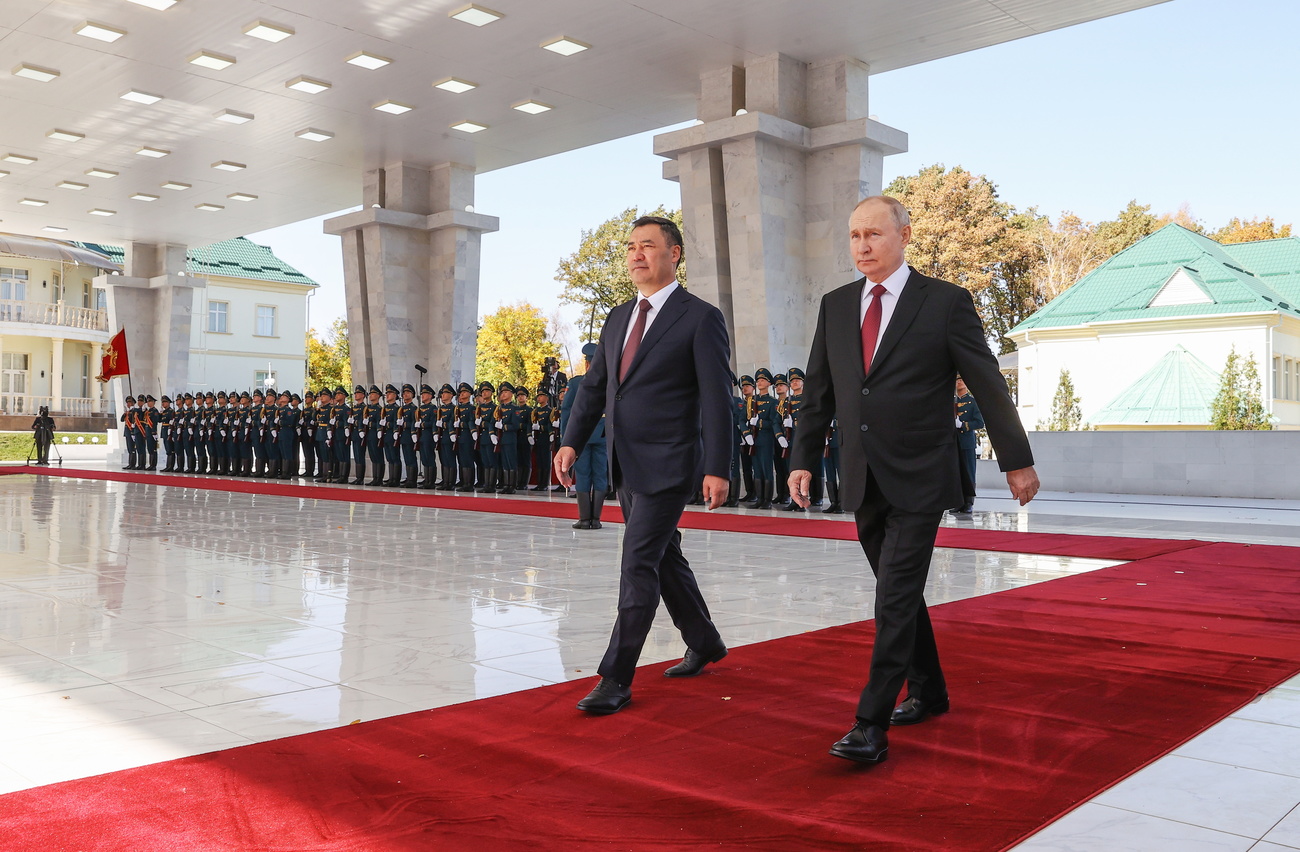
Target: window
pixel 13 372
pixel 101 299
pixel 1286 378
pixel 265 321
pixel 217 314
pixel 87 294
pixel 85 376
pixel 13 283
pixel 264 379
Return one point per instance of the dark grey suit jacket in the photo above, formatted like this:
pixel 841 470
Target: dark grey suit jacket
pixel 668 423
pixel 897 421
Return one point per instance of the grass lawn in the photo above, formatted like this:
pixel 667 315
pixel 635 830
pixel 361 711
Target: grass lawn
pixel 15 446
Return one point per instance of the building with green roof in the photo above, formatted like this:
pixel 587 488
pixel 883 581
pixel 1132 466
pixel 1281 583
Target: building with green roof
pixel 1145 334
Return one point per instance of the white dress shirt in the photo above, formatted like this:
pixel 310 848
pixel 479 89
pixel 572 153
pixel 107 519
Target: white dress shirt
pixel 656 302
pixel 893 285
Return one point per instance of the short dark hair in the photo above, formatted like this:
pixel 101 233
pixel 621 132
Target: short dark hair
pixel 672 233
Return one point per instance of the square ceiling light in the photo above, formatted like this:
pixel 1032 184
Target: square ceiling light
pixel 469 126
pixel 160 5
pixel 21 159
pixel 95 171
pixel 393 107
pixel 175 186
pixel 565 46
pixel 311 134
pixel 479 16
pixel 241 196
pixel 72 184
pixel 455 85
pixel 214 61
pixel 533 107
pixel 136 96
pixel 369 61
pixel 267 31
pixel 155 153
pixel 209 208
pixel 33 202
pixel 307 84
pixel 99 32
pixel 101 212
pixel 143 196
pixel 227 166
pixel 54 229
pixel 65 135
pixel 231 116
pixel 35 72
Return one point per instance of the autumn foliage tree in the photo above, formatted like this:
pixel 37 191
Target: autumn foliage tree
pixel 1250 230
pixel 329 357
pixel 513 343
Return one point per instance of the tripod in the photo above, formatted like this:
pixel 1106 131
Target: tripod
pixel 42 440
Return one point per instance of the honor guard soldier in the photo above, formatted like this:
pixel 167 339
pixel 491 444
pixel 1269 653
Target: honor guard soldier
pixel 391 426
pixel 257 414
pixel 764 424
pixel 220 416
pixel 486 438
pixel 127 419
pixel 271 416
pixel 541 434
pixel 324 443
pixel 524 441
pixel 406 442
pixel 831 469
pixel 241 427
pixel 185 421
pixel 969 421
pixel 795 405
pixel 340 435
pixel 784 434
pixel 206 411
pixel 215 447
pixel 463 437
pixel 166 417
pixel 357 425
pixel 374 418
pixel 426 437
pixel 739 428
pixel 591 471
pixel 287 437
pixel 149 432
pixel 446 416
pixel 507 434
pixel 231 435
pixel 307 434
pixel 746 459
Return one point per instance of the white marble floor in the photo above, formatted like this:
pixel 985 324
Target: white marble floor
pixel 141 623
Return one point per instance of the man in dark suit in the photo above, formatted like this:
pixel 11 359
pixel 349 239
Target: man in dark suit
pixel 661 377
pixel 885 354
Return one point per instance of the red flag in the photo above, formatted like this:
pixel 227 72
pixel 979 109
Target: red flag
pixel 115 362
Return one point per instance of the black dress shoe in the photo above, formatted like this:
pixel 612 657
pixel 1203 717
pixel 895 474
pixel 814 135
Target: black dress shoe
pixel 693 663
pixel 864 744
pixel 609 696
pixel 914 710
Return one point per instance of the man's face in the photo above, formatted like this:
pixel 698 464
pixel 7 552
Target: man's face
pixel 651 262
pixel 391 396
pixel 426 397
pixel 543 399
pixel 796 386
pixel 485 396
pixel 961 388
pixel 445 397
pixel 505 396
pixel 407 396
pixel 782 390
pixel 340 398
pixel 763 385
pixel 747 390
pixel 876 242
pixel 358 397
pixel 463 396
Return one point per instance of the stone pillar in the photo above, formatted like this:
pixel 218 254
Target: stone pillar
pixel 769 177
pixel 56 374
pixel 153 300
pixel 411 269
pixel 96 387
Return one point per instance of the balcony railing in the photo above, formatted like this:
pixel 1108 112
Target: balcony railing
pixel 53 313
pixel 69 406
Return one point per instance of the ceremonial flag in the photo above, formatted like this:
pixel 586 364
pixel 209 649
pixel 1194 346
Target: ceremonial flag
pixel 115 362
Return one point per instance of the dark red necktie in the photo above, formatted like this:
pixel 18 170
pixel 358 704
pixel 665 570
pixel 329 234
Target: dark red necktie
pixel 638 332
pixel 871 327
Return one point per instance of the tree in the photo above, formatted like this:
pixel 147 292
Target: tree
pixel 1067 414
pixel 1132 224
pixel 1070 250
pixel 329 359
pixel 512 344
pixel 596 276
pixel 1250 230
pixel 1239 404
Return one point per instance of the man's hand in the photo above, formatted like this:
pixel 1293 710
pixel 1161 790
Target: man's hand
pixel 715 491
pixel 564 461
pixel 1023 484
pixel 799 483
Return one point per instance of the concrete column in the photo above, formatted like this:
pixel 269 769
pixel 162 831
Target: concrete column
pixel 96 387
pixel 411 271
pixel 784 151
pixel 56 374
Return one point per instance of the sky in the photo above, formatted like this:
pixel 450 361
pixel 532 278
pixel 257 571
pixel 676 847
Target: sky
pixel 1191 102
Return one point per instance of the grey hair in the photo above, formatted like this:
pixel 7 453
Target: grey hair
pixel 896 209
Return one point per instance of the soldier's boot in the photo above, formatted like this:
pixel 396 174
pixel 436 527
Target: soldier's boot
pixel 273 469
pixel 466 483
pixel 341 472
pixel 289 469
pixel 795 507
pixel 764 496
pixel 584 511
pixel 394 475
pixel 153 460
pixel 748 480
pixel 489 481
pixel 378 477
pixel 448 481
pixel 733 494
pixel 360 478
pixel 130 460
pixel 323 470
pixel 259 468
pixel 833 491
pixel 201 466
pixel 597 506
pixel 430 478
pixel 512 476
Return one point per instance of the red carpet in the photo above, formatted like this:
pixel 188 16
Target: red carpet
pixel 1059 690
pixel 780 523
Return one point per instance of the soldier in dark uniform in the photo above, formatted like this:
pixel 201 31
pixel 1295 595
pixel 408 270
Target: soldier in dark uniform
pixel 486 438
pixel 746 459
pixel 796 405
pixel 287 437
pixel 207 434
pixel 507 434
pixel 245 431
pixel 307 434
pixel 258 433
pixel 524 446
pixel 127 418
pixel 831 468
pixel 389 428
pixel 324 442
pixel 359 433
pixel 541 432
pixel 166 417
pixel 216 436
pixel 464 436
pixel 969 422
pixel 446 415
pixel 341 435
pixel 406 443
pixel 591 470
pixel 740 427
pixel 784 434
pixel 271 416
pixel 185 424
pixel 764 424
pixel 149 432
pixel 426 437
pixel 229 436
pixel 375 434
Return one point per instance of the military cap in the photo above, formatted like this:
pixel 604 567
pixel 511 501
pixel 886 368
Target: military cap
pixel 340 390
pixel 211 395
pixel 763 373
pixel 464 387
pixel 150 398
pixel 746 380
pixel 408 387
pixel 257 393
pixel 588 350
pixel 446 388
pixel 244 396
pixel 485 385
pixel 270 391
pixel 375 389
pixel 323 392
pixel 166 398
pixel 779 379
pixel 795 373
pixel 390 388
pixel 189 396
pixel 542 391
pixel 506 386
pixel 221 394
pixel 130 399
pixel 426 389
pixel 359 389
pixel 295 398
pixel 521 389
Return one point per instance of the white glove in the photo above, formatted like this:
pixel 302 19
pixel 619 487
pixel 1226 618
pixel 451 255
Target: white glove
pixel 453 437
pixel 749 440
pixel 753 421
pixel 537 427
pixel 499 424
pixel 495 440
pixel 531 440
pixel 223 433
pixel 783 442
pixel 788 423
pixel 959 424
pixel 347 433
pixel 478 421
pixel 475 434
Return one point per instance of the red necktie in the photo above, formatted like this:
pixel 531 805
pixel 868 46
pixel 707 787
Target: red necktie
pixel 871 327
pixel 638 332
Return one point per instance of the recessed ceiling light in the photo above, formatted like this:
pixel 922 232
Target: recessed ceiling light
pixel 66 135
pixel 476 15
pixel 33 202
pixel 143 196
pixel 469 126
pixel 307 84
pixel 35 72
pixel 227 166
pixel 231 116
pixel 455 85
pixel 267 31
pixel 72 184
pixel 99 212
pixel 140 97
pixel 311 134
pixel 175 185
pixel 100 173
pixel 565 46
pixel 369 61
pixel 54 229
pixel 21 159
pixel 215 61
pixel 393 107
pixel 160 5
pixel 146 151
pixel 211 208
pixel 533 107
pixel 241 196
pixel 99 32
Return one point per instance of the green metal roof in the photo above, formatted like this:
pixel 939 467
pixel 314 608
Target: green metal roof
pixel 1240 278
pixel 1179 389
pixel 237 258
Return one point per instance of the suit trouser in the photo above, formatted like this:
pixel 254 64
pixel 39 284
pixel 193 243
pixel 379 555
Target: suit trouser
pixel 653 567
pixel 898 546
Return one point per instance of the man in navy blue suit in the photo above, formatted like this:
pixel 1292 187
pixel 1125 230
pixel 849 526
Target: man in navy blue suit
pixel 661 377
